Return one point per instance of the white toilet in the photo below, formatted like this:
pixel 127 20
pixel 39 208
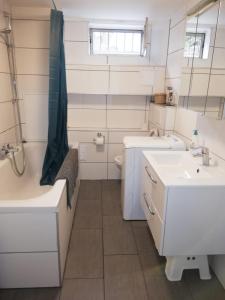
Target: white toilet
pixel 119 161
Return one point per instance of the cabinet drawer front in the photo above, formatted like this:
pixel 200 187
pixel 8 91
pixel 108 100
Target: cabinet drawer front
pixel 154 222
pixel 154 188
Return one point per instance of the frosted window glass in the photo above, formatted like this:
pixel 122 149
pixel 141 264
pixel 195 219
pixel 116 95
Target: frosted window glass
pixel 116 42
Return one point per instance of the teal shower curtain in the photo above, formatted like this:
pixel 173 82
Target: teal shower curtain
pixel 57 147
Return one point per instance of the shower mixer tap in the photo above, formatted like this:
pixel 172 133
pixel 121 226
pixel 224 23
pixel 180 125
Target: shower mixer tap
pixel 6 150
pixel 3 153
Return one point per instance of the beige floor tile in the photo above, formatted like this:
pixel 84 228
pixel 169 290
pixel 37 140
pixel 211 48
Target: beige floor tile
pixel 85 257
pixel 123 278
pixel 82 289
pixel 118 236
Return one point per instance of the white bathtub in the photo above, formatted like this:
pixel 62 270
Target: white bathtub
pixel 35 225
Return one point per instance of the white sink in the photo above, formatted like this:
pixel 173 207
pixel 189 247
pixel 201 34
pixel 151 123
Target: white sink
pixel 181 168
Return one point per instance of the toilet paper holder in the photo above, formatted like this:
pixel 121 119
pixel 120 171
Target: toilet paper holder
pixel 100 139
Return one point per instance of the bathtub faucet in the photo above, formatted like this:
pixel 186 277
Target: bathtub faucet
pixel 7 149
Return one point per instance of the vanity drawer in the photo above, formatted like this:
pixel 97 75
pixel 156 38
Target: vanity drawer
pixel 154 221
pixel 154 188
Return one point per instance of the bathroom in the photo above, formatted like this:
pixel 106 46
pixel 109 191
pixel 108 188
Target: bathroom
pixel 144 124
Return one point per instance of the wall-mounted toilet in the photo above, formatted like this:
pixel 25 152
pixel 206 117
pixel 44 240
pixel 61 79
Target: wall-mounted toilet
pixel 119 161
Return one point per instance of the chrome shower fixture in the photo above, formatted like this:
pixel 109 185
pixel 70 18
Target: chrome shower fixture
pixel 8 29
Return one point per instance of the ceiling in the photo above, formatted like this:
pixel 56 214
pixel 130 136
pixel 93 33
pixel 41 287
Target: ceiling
pixel 111 9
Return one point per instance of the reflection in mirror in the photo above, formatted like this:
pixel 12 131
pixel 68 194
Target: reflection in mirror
pixel 203 72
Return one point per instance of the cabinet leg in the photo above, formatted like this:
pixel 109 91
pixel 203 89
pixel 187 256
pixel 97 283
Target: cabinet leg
pixel 176 264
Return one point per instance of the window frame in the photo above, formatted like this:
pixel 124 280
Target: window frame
pixel 203 43
pixel 93 29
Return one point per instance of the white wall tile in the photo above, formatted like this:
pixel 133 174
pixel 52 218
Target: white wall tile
pixel 31 33
pixel 93 171
pixel 87 81
pixel 217 85
pixel 78 53
pixel 5 87
pixel 8 137
pixel 174 64
pixel 89 152
pixel 178 16
pixel 118 136
pixel 220 41
pixel 159 80
pixel 212 133
pixel 129 83
pixel 128 60
pixel 87 101
pixel 202 63
pixel 159 42
pixel 76 31
pixel 219 58
pixel 114 150
pixel 32 84
pixel 125 119
pixel 32 61
pixel 86 118
pixel 185 122
pixel 185 81
pixel 82 136
pixel 35 110
pixel 177 37
pixel 199 84
pixel 113 171
pixel 4 62
pixel 6 116
pixel 126 102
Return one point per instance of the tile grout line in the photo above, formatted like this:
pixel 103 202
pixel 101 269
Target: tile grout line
pixel 103 251
pixel 139 259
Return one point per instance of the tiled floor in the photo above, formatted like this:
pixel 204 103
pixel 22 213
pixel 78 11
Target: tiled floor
pixel 115 260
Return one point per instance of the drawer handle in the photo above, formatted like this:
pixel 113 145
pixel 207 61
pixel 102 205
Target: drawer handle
pixel 150 175
pixel 146 202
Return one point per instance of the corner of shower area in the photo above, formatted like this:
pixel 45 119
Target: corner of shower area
pixel 35 221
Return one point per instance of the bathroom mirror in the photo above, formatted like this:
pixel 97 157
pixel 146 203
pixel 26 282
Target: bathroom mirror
pixel 203 69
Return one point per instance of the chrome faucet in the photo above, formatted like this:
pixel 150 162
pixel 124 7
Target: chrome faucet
pixel 3 152
pixel 6 150
pixel 154 132
pixel 205 156
pixel 203 152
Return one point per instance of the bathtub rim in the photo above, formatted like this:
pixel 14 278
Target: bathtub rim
pixel 47 202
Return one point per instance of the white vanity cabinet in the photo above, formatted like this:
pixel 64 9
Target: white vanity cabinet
pixel 183 219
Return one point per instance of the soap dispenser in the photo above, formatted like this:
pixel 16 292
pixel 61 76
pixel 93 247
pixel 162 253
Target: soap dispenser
pixel 195 139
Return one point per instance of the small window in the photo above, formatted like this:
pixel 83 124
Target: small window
pixel 194 44
pixel 116 41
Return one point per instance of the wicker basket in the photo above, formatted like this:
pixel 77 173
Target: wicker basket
pixel 160 98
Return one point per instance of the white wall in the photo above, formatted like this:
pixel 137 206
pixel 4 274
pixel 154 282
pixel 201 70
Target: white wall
pixel 113 116
pixel 7 117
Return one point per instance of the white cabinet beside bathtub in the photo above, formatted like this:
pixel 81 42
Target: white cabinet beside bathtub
pixel 33 245
pixel 180 225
